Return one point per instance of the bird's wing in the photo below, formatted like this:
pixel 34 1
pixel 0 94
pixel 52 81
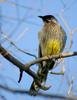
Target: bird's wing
pixel 40 55
pixel 64 37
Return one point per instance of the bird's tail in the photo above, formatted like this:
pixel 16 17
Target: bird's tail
pixel 42 79
pixel 34 89
pixel 42 73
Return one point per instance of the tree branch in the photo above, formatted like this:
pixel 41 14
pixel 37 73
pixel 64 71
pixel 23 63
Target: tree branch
pixel 21 66
pixel 16 62
pixel 27 66
pixel 54 96
pixel 62 55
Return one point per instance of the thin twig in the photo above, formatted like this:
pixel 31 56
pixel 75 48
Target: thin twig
pixel 23 51
pixel 57 73
pixel 12 43
pixel 69 30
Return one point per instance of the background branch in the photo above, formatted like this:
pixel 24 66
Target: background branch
pixel 54 96
pixel 13 44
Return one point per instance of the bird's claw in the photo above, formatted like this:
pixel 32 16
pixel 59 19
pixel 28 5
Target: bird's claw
pixel 44 87
pixel 49 57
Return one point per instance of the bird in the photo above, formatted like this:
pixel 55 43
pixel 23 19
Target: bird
pixel 52 41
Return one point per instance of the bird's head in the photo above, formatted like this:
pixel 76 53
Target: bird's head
pixel 48 18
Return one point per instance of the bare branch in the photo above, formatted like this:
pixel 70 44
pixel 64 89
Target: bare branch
pixel 27 66
pixel 16 62
pixel 63 55
pixel 57 73
pixel 55 96
pixel 13 44
pixel 20 65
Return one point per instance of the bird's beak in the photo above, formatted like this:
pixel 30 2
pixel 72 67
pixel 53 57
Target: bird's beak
pixel 40 17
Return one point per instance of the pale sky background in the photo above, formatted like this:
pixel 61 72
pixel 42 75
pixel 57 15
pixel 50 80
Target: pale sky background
pixel 19 21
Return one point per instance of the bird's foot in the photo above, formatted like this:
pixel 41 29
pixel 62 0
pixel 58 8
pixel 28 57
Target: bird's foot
pixel 49 57
pixel 45 87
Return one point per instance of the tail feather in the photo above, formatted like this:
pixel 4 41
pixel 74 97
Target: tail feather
pixel 34 89
pixel 42 73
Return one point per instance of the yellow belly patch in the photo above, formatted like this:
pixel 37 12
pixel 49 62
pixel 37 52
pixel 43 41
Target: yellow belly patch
pixel 52 47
